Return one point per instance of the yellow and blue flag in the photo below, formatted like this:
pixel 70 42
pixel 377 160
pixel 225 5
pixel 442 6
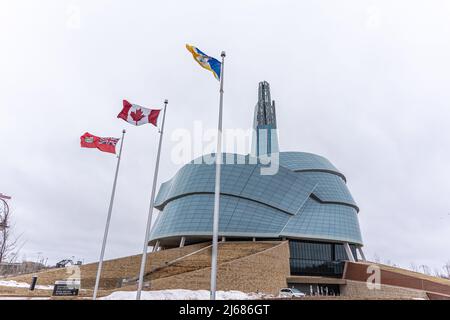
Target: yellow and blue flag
pixel 207 62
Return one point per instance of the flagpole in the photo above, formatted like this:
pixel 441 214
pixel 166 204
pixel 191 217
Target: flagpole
pixel 217 188
pixel 108 220
pixel 150 211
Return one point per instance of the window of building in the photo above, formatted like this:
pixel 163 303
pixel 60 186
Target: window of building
pixel 317 258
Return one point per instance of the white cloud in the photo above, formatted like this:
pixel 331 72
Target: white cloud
pixel 370 95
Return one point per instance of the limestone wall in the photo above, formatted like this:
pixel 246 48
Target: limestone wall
pixel 264 271
pixel 113 270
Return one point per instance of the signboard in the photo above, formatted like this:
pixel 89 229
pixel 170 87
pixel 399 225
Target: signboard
pixel 66 288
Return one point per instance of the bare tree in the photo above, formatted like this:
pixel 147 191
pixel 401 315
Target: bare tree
pixel 389 262
pixel 376 258
pixel 437 273
pixel 446 268
pixel 414 267
pixel 425 269
pixel 9 245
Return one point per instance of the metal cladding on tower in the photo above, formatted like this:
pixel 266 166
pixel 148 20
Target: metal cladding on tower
pixel 265 136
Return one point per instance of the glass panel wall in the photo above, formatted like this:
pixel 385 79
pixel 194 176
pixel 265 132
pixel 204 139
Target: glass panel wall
pixel 317 258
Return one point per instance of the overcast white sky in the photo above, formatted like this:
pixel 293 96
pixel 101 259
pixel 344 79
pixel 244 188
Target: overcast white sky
pixel 363 83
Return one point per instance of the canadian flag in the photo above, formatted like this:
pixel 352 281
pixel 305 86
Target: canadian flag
pixel 137 115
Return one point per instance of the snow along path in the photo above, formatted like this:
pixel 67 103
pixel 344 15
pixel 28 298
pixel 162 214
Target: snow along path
pixel 15 284
pixel 182 294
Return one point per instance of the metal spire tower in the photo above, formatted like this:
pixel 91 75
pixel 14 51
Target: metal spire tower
pixel 265 137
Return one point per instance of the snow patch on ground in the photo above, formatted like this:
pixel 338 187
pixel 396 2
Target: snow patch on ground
pixel 182 294
pixel 15 284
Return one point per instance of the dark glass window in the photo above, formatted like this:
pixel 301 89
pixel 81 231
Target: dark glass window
pixel 317 258
pixel 353 248
pixel 340 253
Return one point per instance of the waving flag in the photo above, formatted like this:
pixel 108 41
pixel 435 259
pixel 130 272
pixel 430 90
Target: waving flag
pixel 88 140
pixel 137 115
pixel 207 62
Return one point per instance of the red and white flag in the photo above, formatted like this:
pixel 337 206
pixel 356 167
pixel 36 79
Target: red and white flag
pixel 88 140
pixel 137 115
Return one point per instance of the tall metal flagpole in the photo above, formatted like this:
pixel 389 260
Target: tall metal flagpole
pixel 217 188
pixel 108 220
pixel 150 211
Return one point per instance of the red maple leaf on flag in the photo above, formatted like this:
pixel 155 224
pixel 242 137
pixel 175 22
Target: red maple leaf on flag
pixel 137 116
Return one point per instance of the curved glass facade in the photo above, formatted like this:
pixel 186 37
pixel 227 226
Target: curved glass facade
pixel 304 162
pixel 191 215
pixel 331 188
pixel 306 199
pixel 326 222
